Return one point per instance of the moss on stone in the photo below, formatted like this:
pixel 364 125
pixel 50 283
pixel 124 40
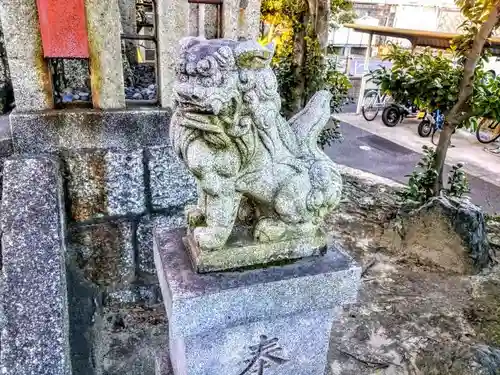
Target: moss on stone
pixel 195 221
pixel 251 61
pixel 254 255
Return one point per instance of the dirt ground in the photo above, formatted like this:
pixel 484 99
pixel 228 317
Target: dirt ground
pixel 413 316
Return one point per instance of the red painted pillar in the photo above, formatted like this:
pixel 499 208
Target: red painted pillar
pixel 64 28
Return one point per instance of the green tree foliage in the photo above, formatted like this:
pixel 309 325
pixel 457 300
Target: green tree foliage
pixel 421 182
pixel 483 18
pixel 432 80
pixel 458 185
pixel 457 86
pixel 298 30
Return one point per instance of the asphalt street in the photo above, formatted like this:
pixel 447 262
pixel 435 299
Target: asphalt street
pixel 377 155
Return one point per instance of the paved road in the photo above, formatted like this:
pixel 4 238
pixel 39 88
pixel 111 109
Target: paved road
pixel 371 153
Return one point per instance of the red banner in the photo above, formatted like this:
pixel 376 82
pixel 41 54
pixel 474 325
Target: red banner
pixel 64 28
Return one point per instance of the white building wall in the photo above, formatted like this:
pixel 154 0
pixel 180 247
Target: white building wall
pixel 442 3
pixel 348 36
pixel 417 15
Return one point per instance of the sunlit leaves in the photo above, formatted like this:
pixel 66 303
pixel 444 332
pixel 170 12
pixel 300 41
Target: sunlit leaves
pixel 288 24
pixel 341 12
pixel 476 11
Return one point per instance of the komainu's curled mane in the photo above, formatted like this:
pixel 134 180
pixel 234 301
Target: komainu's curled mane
pixel 228 130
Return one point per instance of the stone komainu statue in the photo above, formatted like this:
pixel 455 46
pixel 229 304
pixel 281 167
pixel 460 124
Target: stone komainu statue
pixel 245 156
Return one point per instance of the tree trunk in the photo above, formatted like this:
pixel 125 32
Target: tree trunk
pixel 441 150
pixel 299 60
pixel 317 18
pixel 461 111
pixel 319 11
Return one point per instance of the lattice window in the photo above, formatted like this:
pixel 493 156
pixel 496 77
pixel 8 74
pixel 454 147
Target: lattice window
pixel 140 56
pixel 206 18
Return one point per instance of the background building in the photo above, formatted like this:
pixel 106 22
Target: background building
pixel 351 46
pixel 406 14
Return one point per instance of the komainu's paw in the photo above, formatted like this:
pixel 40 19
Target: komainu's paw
pixel 211 238
pixel 272 230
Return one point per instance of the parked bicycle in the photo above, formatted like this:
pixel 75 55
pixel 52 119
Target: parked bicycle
pixel 373 102
pixel 487 131
pixel 431 123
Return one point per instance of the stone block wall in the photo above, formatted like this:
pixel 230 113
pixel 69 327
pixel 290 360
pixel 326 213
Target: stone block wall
pixel 114 198
pixel 121 178
pixel 109 199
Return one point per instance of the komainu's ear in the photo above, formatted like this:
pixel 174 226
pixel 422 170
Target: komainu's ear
pixel 251 55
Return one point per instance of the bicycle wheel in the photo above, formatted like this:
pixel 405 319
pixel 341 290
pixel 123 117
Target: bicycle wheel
pixel 424 128
pixel 434 138
pixel 488 131
pixel 370 106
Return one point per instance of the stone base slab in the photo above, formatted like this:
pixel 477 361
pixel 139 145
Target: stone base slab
pixel 251 254
pixel 274 320
pixel 295 344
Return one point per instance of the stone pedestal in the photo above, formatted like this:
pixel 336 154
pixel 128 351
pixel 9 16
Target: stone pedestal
pixel 29 71
pixel 173 19
pixel 273 320
pixel 106 66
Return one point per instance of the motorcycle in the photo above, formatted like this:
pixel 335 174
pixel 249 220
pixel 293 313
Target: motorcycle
pixel 396 113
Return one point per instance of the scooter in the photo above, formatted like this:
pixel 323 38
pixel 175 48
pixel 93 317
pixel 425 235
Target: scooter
pixel 396 113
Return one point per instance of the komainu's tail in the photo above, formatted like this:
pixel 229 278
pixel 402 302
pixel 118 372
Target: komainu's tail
pixel 308 123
